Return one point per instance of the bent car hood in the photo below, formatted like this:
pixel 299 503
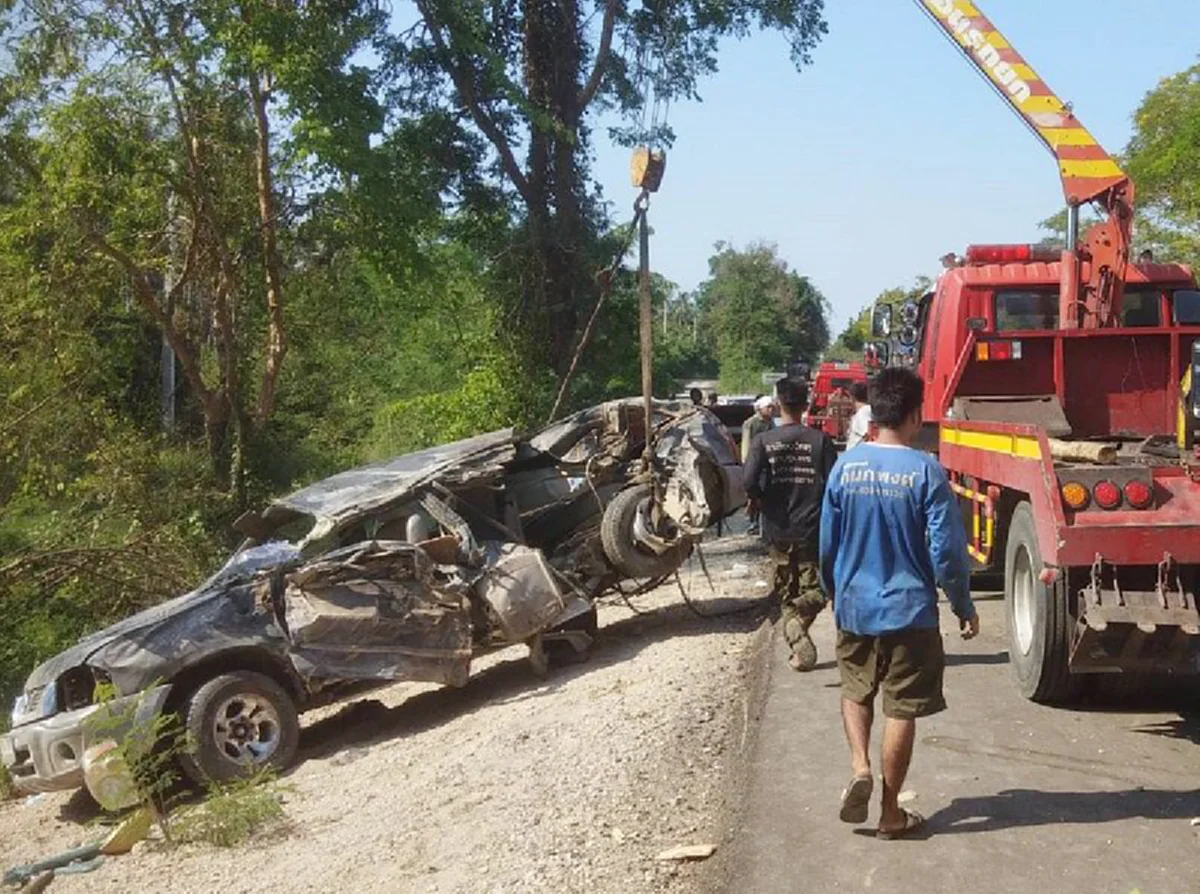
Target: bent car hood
pixel 175 615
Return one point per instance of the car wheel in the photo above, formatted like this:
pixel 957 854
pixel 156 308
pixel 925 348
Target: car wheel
pixel 620 543
pixel 237 724
pixel 1039 623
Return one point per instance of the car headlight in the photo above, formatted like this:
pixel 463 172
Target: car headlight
pixel 19 709
pixel 35 704
pixel 49 700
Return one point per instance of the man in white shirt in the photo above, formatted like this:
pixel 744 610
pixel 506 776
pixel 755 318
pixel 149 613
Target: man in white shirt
pixel 860 422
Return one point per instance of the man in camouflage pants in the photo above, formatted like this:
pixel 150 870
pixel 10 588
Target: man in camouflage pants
pixel 785 475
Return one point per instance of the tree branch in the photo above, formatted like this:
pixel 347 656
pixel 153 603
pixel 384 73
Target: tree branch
pixel 144 293
pixel 601 62
pixel 462 82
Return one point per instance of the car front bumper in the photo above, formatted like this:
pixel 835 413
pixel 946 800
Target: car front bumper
pixel 47 755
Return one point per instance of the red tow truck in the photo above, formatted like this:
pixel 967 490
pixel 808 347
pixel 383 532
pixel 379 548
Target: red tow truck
pixel 830 404
pixel 1059 398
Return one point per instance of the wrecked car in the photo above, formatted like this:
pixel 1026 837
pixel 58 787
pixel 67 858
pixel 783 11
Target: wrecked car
pixel 405 569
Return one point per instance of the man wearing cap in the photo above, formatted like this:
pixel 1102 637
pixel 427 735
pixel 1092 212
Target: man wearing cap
pixel 764 409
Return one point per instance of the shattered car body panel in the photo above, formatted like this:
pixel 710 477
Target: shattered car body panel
pixel 400 570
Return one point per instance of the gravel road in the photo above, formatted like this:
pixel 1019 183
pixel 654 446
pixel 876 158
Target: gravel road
pixel 514 783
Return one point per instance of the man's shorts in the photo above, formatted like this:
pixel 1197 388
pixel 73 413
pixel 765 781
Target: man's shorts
pixel 907 665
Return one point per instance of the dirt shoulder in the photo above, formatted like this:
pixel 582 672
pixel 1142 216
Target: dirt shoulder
pixel 514 783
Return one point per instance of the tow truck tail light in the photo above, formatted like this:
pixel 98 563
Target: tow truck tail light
pixel 1076 496
pixel 998 350
pixel 1009 254
pixel 1107 494
pixel 1139 494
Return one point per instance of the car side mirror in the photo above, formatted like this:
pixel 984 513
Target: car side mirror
pixel 877 354
pixel 881 321
pixel 1192 424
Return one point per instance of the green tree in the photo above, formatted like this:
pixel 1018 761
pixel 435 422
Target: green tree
pixel 758 315
pixel 528 77
pixel 1163 157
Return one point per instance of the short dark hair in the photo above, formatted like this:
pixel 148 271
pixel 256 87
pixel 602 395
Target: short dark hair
pixel 896 393
pixel 792 394
pixel 858 391
pixel 696 395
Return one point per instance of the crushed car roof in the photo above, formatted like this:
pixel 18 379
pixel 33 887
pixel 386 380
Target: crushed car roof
pixel 381 482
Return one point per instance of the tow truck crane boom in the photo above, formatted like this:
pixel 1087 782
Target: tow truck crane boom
pixel 1093 271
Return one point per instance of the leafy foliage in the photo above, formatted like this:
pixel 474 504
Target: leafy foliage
pixel 1163 157
pixel 760 315
pixel 145 750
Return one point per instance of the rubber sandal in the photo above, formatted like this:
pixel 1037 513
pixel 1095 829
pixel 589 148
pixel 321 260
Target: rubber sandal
pixel 856 800
pixel 912 822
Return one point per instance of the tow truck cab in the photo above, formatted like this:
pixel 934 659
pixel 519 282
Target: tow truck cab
pixel 830 405
pixel 1074 454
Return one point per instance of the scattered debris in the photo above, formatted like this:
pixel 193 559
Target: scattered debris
pixel 76 860
pixel 688 852
pixel 1196 820
pixel 133 829
pixel 906 796
pixel 738 569
pixel 34 800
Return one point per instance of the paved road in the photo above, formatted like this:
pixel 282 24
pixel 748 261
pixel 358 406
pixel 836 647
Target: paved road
pixel 1019 797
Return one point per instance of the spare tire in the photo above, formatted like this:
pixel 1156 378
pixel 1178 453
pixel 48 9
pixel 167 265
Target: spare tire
pixel 621 546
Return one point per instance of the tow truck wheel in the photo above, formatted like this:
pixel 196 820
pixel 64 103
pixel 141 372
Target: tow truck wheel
pixel 1039 623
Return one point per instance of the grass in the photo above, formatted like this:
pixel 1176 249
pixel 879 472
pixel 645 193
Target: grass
pixel 231 813
pixel 6 786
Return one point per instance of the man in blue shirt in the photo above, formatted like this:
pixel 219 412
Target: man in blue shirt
pixel 890 534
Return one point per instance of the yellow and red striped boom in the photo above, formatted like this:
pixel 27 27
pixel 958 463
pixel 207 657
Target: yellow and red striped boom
pixel 1087 170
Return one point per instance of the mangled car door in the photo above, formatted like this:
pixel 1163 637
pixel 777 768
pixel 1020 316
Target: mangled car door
pixel 377 610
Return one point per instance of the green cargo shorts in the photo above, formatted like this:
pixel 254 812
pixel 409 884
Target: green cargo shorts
pixel 798 589
pixel 907 665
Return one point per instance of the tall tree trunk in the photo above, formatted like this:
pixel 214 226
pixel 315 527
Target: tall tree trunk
pixel 276 346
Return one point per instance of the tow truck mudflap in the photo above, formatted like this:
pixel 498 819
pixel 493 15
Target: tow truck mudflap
pixel 1136 630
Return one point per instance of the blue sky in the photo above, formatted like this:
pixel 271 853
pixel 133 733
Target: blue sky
pixel 888 151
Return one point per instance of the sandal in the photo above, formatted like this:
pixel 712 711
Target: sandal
pixel 912 822
pixel 856 800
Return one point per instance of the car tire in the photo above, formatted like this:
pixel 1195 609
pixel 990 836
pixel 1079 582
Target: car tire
pixel 620 546
pixel 1039 622
pixel 237 724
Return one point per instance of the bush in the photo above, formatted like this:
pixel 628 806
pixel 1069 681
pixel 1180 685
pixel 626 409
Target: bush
pixel 231 813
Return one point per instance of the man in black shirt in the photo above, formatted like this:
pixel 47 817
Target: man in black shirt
pixel 785 476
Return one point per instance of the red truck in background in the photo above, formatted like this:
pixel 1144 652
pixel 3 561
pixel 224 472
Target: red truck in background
pixel 1059 398
pixel 830 405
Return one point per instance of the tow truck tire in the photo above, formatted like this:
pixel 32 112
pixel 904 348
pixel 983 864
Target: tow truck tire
pixel 1039 623
pixel 237 724
pixel 620 545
